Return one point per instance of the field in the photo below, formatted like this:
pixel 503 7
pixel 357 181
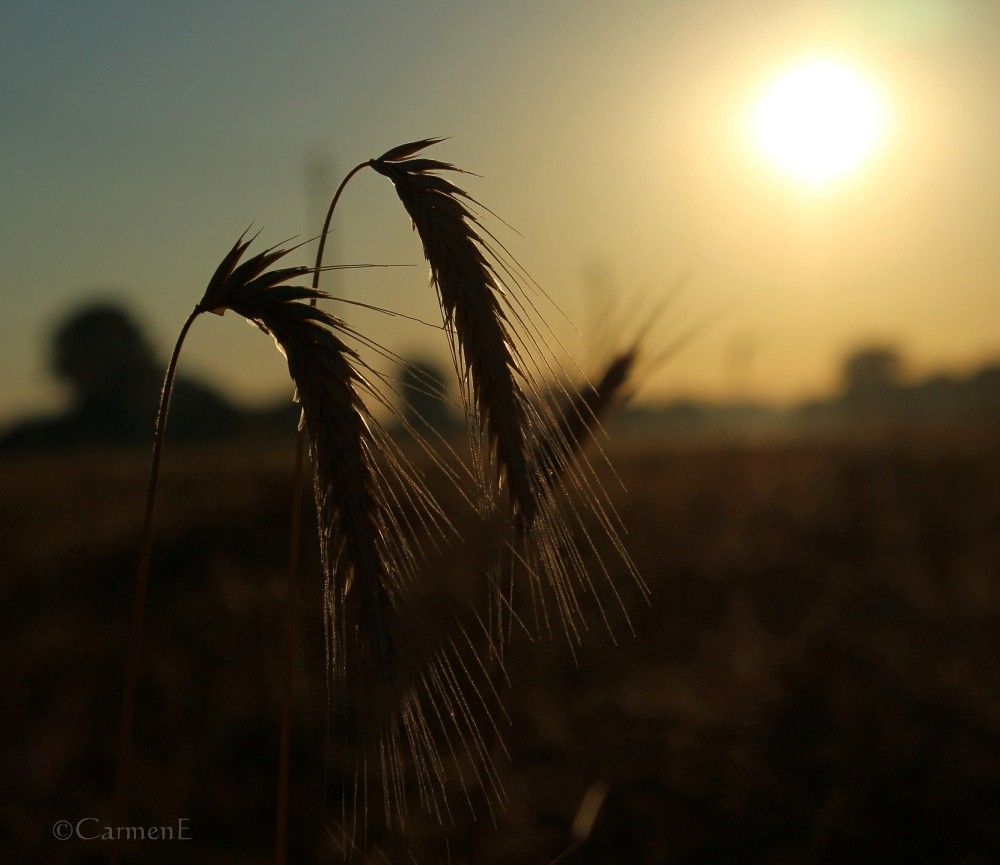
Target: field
pixel 816 678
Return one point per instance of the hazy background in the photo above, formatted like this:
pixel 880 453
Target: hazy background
pixel 815 677
pixel 141 139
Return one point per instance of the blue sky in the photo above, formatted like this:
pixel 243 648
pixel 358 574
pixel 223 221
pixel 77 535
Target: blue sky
pixel 141 138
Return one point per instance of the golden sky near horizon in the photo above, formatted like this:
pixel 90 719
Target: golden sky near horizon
pixel 627 150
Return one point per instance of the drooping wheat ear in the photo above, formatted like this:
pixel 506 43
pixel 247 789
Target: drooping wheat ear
pixel 360 539
pixel 501 356
pixel 414 694
pixel 470 290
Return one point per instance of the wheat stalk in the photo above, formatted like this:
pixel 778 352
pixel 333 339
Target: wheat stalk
pixel 139 599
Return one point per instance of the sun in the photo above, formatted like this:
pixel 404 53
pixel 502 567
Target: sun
pixel 819 119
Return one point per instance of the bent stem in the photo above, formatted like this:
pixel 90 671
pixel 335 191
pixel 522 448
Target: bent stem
pixel 139 601
pixel 284 758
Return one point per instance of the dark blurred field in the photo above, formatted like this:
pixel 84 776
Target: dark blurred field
pixel 817 678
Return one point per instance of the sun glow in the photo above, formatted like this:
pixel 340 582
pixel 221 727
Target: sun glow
pixel 819 119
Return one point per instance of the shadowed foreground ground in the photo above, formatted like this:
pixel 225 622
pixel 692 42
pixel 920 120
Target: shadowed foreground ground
pixel 816 679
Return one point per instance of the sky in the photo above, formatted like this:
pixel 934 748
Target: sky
pixel 140 139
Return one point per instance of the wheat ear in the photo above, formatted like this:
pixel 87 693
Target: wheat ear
pixel 353 517
pixel 470 292
pixel 585 410
pixel 501 356
pixel 416 696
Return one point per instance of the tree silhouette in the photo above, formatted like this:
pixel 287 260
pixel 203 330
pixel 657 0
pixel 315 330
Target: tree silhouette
pixel 110 367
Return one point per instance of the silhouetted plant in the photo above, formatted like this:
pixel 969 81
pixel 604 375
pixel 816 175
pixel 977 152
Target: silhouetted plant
pixel 422 699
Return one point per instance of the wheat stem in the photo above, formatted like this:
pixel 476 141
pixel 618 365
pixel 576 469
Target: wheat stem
pixel 326 223
pixel 139 601
pixel 281 829
pixel 284 759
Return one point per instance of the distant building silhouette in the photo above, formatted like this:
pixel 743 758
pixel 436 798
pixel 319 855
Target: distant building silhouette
pixel 871 373
pixel 875 400
pixel 425 398
pixel 103 356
